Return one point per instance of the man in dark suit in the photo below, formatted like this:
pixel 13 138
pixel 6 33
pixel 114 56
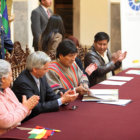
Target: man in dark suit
pixel 5 42
pixel 32 81
pixel 39 20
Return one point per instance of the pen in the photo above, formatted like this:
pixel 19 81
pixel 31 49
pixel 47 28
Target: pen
pixel 55 130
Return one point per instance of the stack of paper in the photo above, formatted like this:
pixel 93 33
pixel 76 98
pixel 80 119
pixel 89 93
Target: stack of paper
pixel 120 78
pixel 121 102
pixel 102 95
pixel 106 96
pixel 136 72
pixel 107 82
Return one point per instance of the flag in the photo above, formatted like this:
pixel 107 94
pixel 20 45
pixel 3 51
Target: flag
pixel 4 14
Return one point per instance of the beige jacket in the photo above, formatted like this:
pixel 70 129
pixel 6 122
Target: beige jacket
pixel 52 45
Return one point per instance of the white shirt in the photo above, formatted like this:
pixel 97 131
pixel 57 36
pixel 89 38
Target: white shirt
pixel 46 10
pixel 105 58
pixel 38 85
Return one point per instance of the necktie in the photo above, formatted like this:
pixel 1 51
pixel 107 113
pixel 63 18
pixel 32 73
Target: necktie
pixel 48 13
pixel 38 84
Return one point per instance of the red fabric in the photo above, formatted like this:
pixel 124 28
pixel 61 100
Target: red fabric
pixel 93 121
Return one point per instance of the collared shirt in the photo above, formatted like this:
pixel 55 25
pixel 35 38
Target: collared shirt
pixel 12 112
pixel 37 81
pixel 105 58
pixel 38 85
pixel 46 10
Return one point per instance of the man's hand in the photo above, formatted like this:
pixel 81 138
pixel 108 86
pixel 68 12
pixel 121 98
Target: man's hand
pixel 118 56
pixel 31 102
pixel 92 67
pixel 68 96
pixel 82 89
pixel 122 56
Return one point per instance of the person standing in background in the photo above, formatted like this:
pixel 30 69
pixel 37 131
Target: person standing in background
pixel 51 37
pixel 5 42
pixel 39 20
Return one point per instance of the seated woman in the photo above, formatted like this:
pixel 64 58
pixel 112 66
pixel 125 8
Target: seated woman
pixel 64 72
pixel 52 36
pixel 12 112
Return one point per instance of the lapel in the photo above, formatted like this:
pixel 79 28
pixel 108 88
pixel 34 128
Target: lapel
pixel 109 55
pixel 42 11
pixel 42 90
pixel 100 58
pixel 32 82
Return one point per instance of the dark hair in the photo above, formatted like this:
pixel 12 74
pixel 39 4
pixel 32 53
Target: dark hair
pixel 74 39
pixel 55 25
pixel 66 47
pixel 101 36
pixel 39 0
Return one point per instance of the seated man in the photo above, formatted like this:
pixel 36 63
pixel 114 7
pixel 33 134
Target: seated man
pixel 77 59
pixel 99 54
pixel 64 72
pixel 32 81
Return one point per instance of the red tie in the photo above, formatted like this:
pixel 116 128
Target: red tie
pixel 48 13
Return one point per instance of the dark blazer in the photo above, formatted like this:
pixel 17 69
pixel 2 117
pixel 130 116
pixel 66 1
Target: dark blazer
pixel 5 42
pixel 79 63
pixel 39 20
pixel 26 85
pixel 100 74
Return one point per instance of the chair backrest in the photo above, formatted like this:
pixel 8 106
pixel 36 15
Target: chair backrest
pixel 17 59
pixel 82 50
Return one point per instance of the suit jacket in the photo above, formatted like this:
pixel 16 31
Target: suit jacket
pixel 39 20
pixel 5 42
pixel 100 74
pixel 26 85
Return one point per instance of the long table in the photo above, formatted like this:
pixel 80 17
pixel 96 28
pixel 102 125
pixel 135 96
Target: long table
pixel 91 120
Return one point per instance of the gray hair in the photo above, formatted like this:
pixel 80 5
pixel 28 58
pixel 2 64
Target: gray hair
pixel 5 68
pixel 37 60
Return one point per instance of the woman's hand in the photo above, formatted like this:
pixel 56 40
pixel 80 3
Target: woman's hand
pixel 31 102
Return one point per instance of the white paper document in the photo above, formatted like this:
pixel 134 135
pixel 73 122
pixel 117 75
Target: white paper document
pixel 121 78
pixel 121 102
pixel 36 131
pixel 102 95
pixel 108 82
pixel 136 72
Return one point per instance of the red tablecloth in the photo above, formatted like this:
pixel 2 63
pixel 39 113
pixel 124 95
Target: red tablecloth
pixel 93 121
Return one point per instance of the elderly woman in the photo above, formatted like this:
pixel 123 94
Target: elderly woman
pixel 64 72
pixel 12 112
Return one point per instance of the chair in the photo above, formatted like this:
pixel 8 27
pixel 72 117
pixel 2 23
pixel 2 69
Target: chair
pixel 82 50
pixel 17 59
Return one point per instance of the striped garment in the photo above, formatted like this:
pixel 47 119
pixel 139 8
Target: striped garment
pixel 60 76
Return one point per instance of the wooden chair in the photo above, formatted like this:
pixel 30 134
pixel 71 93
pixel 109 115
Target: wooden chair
pixel 17 59
pixel 82 50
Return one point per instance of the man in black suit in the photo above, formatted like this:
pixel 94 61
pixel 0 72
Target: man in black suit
pixel 39 20
pixel 32 81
